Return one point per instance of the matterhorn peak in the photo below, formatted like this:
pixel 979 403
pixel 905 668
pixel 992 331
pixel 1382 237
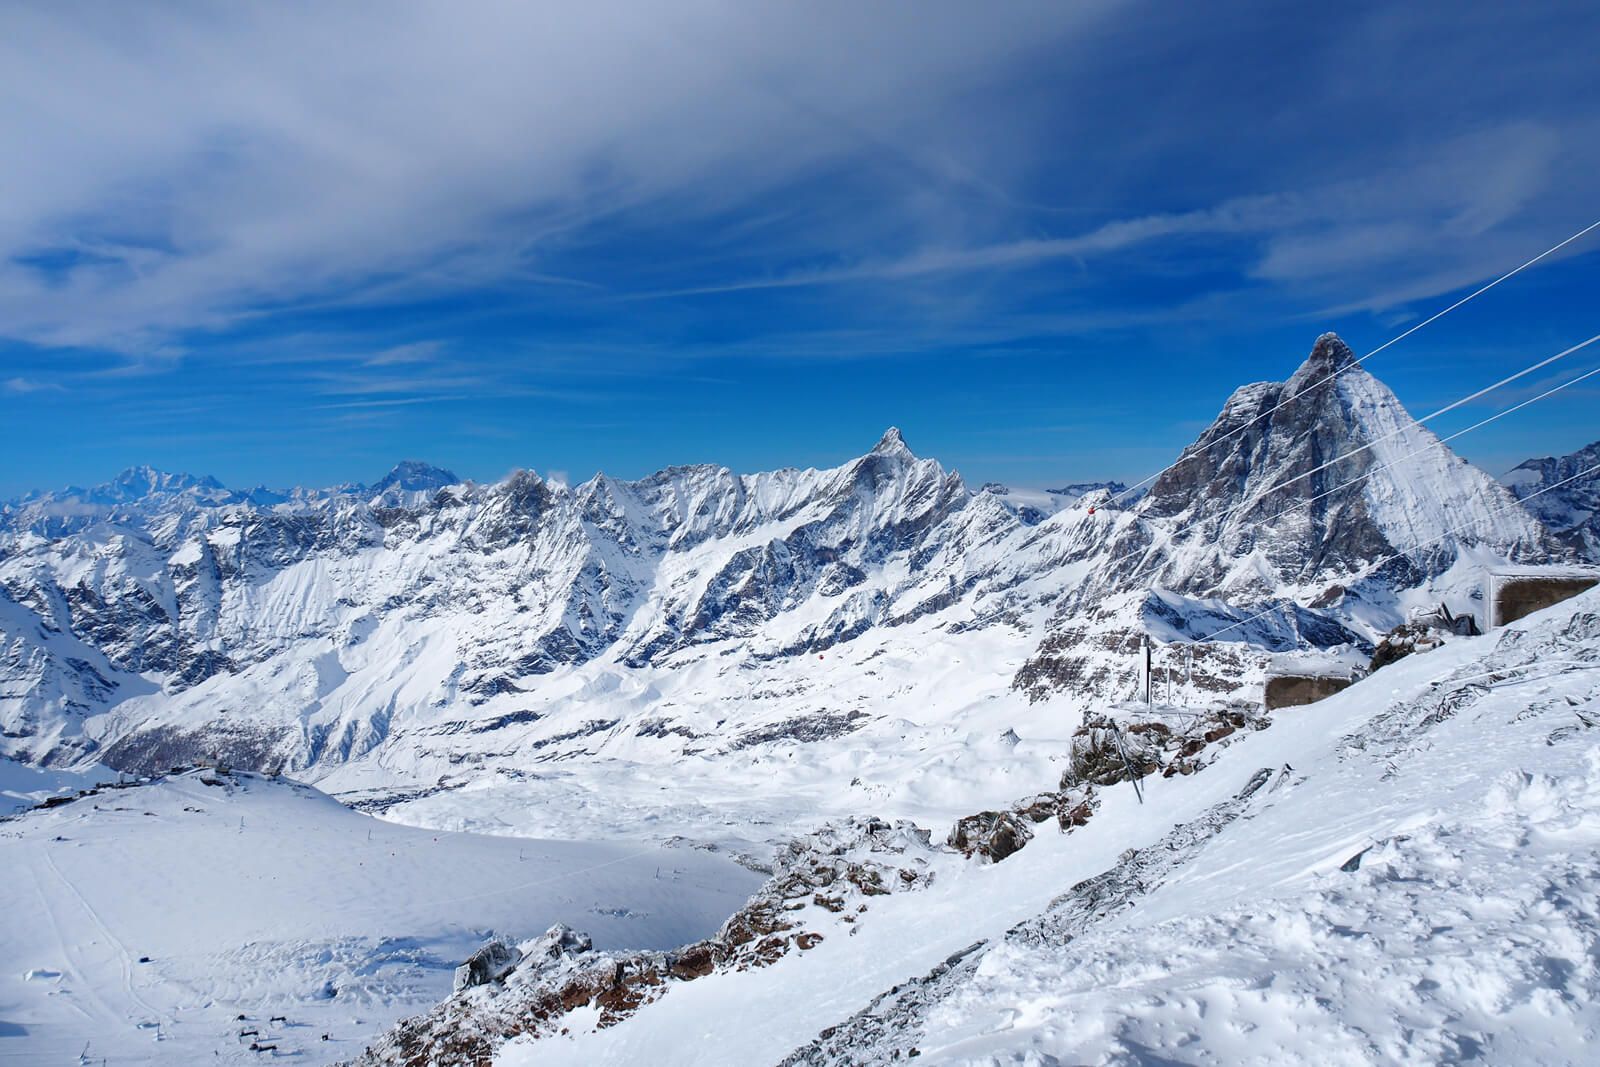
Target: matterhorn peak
pixel 891 443
pixel 1330 354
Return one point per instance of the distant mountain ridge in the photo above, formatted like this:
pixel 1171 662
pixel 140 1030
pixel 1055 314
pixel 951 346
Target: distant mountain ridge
pixel 413 475
pixel 452 628
pixel 139 494
pixel 1570 510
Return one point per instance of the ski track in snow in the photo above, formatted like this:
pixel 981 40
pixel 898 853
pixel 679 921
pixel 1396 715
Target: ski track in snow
pixel 124 961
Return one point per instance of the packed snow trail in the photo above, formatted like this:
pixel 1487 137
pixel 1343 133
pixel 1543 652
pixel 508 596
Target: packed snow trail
pixel 880 1030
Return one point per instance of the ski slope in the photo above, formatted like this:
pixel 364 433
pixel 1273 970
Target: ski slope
pixel 140 922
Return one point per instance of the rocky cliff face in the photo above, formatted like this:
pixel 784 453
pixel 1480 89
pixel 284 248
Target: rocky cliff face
pixel 163 618
pixel 1572 511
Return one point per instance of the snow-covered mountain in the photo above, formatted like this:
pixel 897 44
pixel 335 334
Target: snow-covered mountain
pixel 151 501
pixel 428 630
pixel 297 632
pixel 845 664
pixel 411 476
pixel 1571 511
pixel 1318 497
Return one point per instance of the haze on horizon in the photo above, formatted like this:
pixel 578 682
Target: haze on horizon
pixel 294 244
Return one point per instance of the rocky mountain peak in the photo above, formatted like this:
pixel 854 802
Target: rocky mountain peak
pixel 1564 498
pixel 892 444
pixel 138 482
pixel 412 475
pixel 1331 353
pixel 1314 480
pixel 1314 380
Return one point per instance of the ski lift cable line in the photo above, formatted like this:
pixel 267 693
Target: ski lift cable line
pixel 1436 316
pixel 1168 537
pixel 1418 422
pixel 1397 555
pixel 1419 451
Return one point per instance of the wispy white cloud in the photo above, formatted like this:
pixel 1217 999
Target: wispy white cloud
pixel 1426 219
pixel 221 161
pixel 194 170
pixel 29 385
pixel 415 352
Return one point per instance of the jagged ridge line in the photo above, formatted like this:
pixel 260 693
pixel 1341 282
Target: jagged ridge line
pixel 1393 340
pixel 1391 558
pixel 1433 415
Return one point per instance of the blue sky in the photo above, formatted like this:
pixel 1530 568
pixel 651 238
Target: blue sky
pixel 294 243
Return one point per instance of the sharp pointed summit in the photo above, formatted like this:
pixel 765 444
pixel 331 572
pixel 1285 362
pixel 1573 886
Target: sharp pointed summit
pixel 892 443
pixel 1331 353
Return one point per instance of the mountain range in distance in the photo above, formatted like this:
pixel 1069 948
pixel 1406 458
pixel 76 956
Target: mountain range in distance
pixel 441 629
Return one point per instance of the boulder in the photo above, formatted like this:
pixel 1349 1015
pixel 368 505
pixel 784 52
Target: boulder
pixel 1402 641
pixel 490 963
pixel 994 834
pixel 1098 758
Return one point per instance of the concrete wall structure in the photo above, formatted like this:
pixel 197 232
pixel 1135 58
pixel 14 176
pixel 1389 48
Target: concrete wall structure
pixel 1514 595
pixel 1293 690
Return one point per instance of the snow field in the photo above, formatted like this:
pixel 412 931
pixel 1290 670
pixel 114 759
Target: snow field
pixel 265 898
pixel 1469 928
pixel 930 750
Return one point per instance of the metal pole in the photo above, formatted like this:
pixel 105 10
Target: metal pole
pixel 1147 669
pixel 1133 775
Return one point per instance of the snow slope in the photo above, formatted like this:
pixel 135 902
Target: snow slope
pixel 140 922
pixel 1406 872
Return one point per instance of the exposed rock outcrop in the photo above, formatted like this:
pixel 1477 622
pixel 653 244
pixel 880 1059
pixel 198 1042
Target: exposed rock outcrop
pixel 495 959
